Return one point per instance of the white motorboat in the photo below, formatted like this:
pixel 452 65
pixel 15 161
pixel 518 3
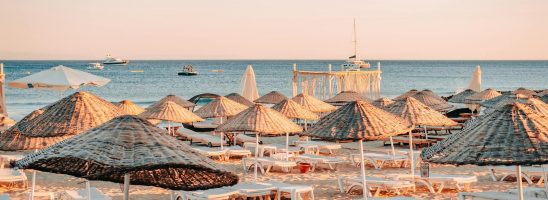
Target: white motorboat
pixel 188 70
pixel 354 63
pixel 96 66
pixel 114 61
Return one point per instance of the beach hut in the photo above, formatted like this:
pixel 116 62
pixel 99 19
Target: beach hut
pixel 315 105
pixel 484 95
pixel 248 84
pixel 382 102
pixel 461 96
pixel 130 148
pixel 293 110
pixel 511 135
pixel 435 103
pixel 65 118
pixel 273 97
pixel 59 78
pixel 345 97
pixel 171 112
pixel 524 91
pixel 175 99
pixel 406 94
pixel 240 99
pixel 361 121
pixel 260 120
pixel 129 107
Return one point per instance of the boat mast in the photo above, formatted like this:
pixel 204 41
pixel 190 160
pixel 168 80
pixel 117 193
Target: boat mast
pixel 355 42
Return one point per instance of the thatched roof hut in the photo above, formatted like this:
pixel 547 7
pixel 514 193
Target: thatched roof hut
pixel 382 102
pixel 129 107
pixel 65 118
pixel 432 102
pixel 220 107
pixel 406 94
pixel 273 97
pixel 293 110
pixel 313 104
pixel 260 119
pixel 484 95
pixel 175 99
pixel 345 97
pixel 461 96
pixel 358 120
pixel 240 99
pixel 170 111
pixel 415 112
pixel 524 91
pixel 131 145
pixel 511 135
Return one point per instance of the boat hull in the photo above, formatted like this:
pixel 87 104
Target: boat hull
pixel 116 63
pixel 187 73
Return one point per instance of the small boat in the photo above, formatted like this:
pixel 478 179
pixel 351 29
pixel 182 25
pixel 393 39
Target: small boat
pixel 137 71
pixel 217 70
pixel 96 66
pixel 114 61
pixel 188 70
pixel 353 63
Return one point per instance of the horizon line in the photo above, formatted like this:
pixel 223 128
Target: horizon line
pixel 276 59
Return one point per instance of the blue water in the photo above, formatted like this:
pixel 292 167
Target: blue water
pixel 160 78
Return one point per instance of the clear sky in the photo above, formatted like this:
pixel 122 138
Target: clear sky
pixel 273 29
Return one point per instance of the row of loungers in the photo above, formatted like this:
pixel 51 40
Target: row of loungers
pixel 251 190
pixel 211 140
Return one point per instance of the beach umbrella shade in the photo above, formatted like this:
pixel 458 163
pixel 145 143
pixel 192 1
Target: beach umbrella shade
pixel 406 94
pixel 260 120
pixel 63 119
pixel 542 93
pixel 59 78
pixel 5 121
pixel 484 95
pixel 475 81
pixel 248 85
pixel 382 102
pixel 524 91
pixel 538 106
pixel 432 94
pixel 171 112
pixel 175 99
pixel 345 97
pixel 511 135
pixel 129 147
pixel 435 103
pixel 313 104
pixel 129 107
pixel 360 120
pixel 461 96
pixel 544 98
pixel 273 97
pixel 293 110
pixel 240 99
pixel 491 103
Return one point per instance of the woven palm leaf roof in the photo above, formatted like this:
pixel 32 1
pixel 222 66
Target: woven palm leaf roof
pixel 65 118
pixel 461 96
pixel 382 102
pixel 240 99
pixel 484 95
pixel 313 104
pixel 406 94
pixel 170 111
pixel 6 121
pixel 432 102
pixel 293 110
pixel 129 107
pixel 542 93
pixel 273 97
pixel 538 106
pixel 220 107
pixel 345 97
pixel 130 144
pixel 524 91
pixel 511 135
pixel 505 98
pixel 544 98
pixel 415 112
pixel 434 95
pixel 260 119
pixel 358 120
pixel 178 100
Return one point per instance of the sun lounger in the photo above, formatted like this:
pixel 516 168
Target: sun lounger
pixel 309 148
pixel 82 194
pixel 492 195
pixel 527 173
pixel 462 182
pixel 12 177
pixel 532 192
pixel 379 159
pixel 242 138
pixel 248 190
pixel 212 152
pixel 262 148
pixel 405 140
pixel 296 192
pixel 346 184
pixel 316 160
pixel 202 138
pixel 265 164
pixel 237 151
pixel 6 159
pixel 329 146
pixel 223 193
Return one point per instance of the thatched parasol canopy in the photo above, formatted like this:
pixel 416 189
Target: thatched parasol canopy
pixel 273 97
pixel 511 135
pixel 129 107
pixel 293 110
pixel 505 99
pixel 313 104
pixel 382 102
pixel 544 98
pixel 431 101
pixel 406 94
pixel 178 100
pixel 131 145
pixel 434 95
pixel 415 112
pixel 538 106
pixel 5 121
pixel 240 99
pixel 260 119
pixel 345 97
pixel 484 95
pixel 65 118
pixel 542 93
pixel 358 120
pixel 220 107
pixel 461 96
pixel 170 111
pixel 524 91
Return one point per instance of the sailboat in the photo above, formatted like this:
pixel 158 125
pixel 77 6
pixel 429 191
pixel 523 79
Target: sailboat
pixel 354 63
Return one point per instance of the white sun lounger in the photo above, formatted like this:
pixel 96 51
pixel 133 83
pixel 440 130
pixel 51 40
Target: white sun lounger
pixel 296 192
pixel 265 164
pixel 346 184
pixel 379 159
pixel 237 151
pixel 251 190
pixel 223 193
pixel 462 182
pixel 493 195
pixel 242 138
pixel 12 177
pixel 82 194
pixel 211 152
pixel 316 160
pixel 329 146
pixel 527 173
pixel 6 159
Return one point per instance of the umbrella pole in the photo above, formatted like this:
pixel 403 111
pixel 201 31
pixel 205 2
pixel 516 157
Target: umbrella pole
pixel 169 127
pixel 392 146
pixel 545 177
pixel 236 137
pixel 256 157
pixel 425 133
pixel 126 186
pixel 365 190
pixel 305 126
pixel 412 159
pixel 33 185
pixel 88 188
pixel 222 146
pixel 286 146
pixel 520 182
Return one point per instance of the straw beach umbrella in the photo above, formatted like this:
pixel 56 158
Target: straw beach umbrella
pixel 65 118
pixel 484 95
pixel 426 98
pixel 511 135
pixel 273 97
pixel 345 97
pixel 59 78
pixel 129 107
pixel 313 104
pixel 538 106
pixel 240 99
pixel 248 84
pixel 170 112
pixel 359 120
pixel 406 94
pixel 260 120
pixel 175 99
pixel 524 91
pixel 461 96
pixel 542 93
pixel 382 102
pixel 129 147
pixel 432 94
pixel 293 110
pixel 491 103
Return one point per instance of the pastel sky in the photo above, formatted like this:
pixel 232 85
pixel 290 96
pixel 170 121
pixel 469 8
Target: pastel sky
pixel 279 29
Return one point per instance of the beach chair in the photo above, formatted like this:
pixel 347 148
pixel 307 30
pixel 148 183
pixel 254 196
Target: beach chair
pixel 379 159
pixel 315 160
pixel 262 148
pixel 242 138
pixel 309 148
pixel 82 194
pixel 223 193
pixel 526 171
pixel 13 177
pixel 329 146
pixel 212 152
pixel 493 195
pixel 6 159
pixel 253 190
pixel 265 164
pixel 237 151
pixel 295 192
pixel 461 182
pixel 346 184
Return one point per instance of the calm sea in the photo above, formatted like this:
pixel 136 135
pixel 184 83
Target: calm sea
pixel 159 78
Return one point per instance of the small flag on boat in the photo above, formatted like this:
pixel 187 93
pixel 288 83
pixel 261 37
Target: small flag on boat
pixel 354 56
